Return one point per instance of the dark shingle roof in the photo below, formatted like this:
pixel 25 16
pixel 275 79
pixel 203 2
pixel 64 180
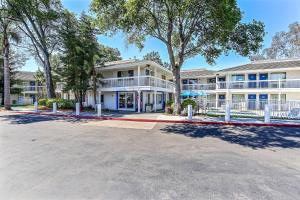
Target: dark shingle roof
pixel 261 65
pixel 195 73
pixel 25 76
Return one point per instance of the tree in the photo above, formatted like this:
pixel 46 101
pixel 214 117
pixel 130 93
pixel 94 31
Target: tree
pixel 186 27
pixel 39 21
pixel 9 34
pixel 284 45
pixel 153 56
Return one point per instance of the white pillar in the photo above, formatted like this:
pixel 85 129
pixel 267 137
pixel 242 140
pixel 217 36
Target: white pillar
pixel 155 101
pixel 217 100
pixel 35 106
pixel 190 112
pixel 77 108
pixel 139 74
pixel 54 107
pixel 267 113
pixel 227 112
pixel 99 110
pixel 139 101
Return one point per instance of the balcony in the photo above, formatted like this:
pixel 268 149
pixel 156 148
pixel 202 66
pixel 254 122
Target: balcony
pixel 261 84
pixel 136 82
pixel 28 89
pixel 211 86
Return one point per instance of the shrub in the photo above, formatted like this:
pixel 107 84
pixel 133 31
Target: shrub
pixel 169 103
pixel 42 102
pixel 187 102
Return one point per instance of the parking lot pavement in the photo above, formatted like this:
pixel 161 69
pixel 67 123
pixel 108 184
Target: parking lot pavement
pixel 44 157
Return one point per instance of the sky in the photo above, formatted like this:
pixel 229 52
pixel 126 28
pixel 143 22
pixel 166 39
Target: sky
pixel 276 15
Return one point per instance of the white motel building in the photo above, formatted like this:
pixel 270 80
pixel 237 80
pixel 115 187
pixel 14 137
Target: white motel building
pixel 145 86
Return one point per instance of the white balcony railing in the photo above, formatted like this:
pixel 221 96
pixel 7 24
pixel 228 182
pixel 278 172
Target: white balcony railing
pixel 211 86
pixel 29 88
pixel 137 81
pixel 260 84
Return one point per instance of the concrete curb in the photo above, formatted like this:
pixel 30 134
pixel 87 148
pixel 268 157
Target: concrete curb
pixel 164 121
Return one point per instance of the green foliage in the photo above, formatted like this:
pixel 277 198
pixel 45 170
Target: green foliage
pixel 42 102
pixel 170 103
pixel 284 45
pixel 61 103
pixel 187 102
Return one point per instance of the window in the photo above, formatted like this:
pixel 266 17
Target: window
pixel 159 98
pixel 278 76
pixel 130 73
pixel 147 72
pixel 238 77
pixel 238 97
pixel 102 98
pixel 193 81
pixel 163 77
pixel 184 81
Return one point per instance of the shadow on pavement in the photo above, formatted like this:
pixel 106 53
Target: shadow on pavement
pixel 28 119
pixel 249 136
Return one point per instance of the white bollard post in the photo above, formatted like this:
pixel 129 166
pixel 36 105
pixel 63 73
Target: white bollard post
pixel 54 107
pixel 36 106
pixel 99 110
pixel 227 112
pixel 267 113
pixel 190 112
pixel 77 108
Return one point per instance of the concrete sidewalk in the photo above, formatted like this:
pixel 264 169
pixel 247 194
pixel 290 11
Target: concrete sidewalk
pixel 162 117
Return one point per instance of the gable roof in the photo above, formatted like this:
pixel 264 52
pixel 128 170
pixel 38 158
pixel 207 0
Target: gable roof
pixel 195 73
pixel 25 76
pixel 265 64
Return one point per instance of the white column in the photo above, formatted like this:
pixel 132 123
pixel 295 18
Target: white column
pixel 267 113
pixel 99 110
pixel 155 100
pixel 139 101
pixel 54 107
pixel 35 106
pixel 190 112
pixel 77 108
pixel 217 100
pixel 139 74
pixel 227 112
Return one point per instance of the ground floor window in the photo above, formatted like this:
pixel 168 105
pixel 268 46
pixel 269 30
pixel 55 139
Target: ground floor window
pixel 126 100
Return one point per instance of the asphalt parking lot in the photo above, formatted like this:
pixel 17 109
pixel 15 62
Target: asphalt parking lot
pixel 44 157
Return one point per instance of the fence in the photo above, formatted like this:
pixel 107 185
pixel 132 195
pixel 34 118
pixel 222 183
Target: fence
pixel 250 108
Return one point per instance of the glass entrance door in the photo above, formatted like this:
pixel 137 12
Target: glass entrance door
pixel 126 101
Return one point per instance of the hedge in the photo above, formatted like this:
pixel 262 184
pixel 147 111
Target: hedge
pixel 61 103
pixel 187 102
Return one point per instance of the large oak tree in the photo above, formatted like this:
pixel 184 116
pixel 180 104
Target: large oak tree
pixel 187 28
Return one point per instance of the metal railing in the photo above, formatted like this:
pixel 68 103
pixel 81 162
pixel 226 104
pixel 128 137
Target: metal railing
pixel 210 86
pixel 136 81
pixel 29 88
pixel 260 84
pixel 251 108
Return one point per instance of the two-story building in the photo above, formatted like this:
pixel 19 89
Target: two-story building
pixel 133 85
pixel 26 89
pixel 254 84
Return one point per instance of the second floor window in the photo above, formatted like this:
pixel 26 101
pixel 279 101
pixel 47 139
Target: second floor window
pixel 278 76
pixel 193 81
pixel 238 77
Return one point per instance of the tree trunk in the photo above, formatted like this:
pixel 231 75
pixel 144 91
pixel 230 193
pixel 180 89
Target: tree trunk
pixel 177 99
pixel 6 69
pixel 95 87
pixel 48 76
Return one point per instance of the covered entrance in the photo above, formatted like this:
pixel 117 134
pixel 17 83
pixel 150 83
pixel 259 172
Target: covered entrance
pixel 126 101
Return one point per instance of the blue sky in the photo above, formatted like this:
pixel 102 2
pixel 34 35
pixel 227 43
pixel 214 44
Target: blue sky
pixel 276 14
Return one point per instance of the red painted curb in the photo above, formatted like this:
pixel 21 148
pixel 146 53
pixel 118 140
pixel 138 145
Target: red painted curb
pixel 163 121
